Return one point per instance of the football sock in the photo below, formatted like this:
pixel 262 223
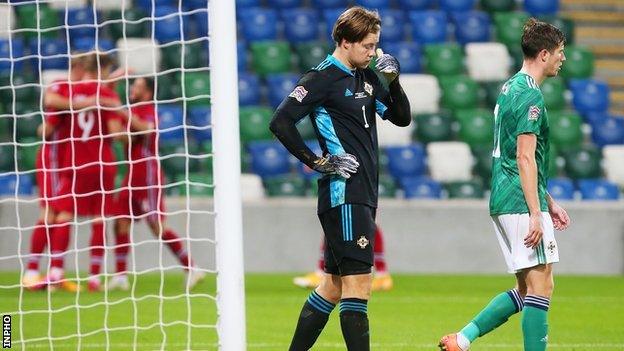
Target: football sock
pixel 378 250
pixel 175 244
pixel 38 242
pixel 97 247
pixel 354 324
pixel 59 241
pixel 121 251
pixel 535 322
pixel 312 320
pixel 496 313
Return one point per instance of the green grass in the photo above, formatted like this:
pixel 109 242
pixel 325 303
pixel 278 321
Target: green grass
pixel 586 314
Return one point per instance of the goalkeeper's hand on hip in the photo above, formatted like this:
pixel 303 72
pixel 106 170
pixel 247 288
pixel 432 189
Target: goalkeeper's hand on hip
pixel 388 65
pixel 343 165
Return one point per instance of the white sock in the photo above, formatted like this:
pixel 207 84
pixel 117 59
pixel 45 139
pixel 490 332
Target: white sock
pixel 56 273
pixel 463 342
pixel 32 272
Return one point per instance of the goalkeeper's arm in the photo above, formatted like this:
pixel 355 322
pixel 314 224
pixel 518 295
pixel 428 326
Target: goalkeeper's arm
pixel 399 111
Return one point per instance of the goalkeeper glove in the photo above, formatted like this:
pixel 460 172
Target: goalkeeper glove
pixel 388 66
pixel 343 165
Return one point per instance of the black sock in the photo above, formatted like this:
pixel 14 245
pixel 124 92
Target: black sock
pixel 312 320
pixel 354 324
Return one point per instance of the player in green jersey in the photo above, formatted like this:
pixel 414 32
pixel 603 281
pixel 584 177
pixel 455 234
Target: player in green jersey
pixel 523 213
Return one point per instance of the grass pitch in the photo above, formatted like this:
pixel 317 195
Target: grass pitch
pixel 587 313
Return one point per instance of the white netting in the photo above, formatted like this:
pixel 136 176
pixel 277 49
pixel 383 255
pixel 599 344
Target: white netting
pixel 164 40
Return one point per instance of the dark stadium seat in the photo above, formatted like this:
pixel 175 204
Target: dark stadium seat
pixel 445 59
pixel 476 126
pixel 200 19
pixel 27 154
pixel 553 90
pixel 324 4
pixel 249 89
pixel 420 188
pixel 167 86
pixel 483 162
pixel 413 5
pixel 373 4
pixel 258 24
pixel 170 123
pixel 541 7
pixel 146 5
pixel 393 26
pixel 199 118
pixel 408 53
pixel 305 171
pixel 565 129
pixel 387 186
pixel 471 26
pixel 579 62
pixel 498 5
pixel 607 131
pixel 406 161
pixel 241 53
pixel 301 24
pixel 80 21
pixel 242 4
pixel 285 186
pixel 428 26
pixel 561 188
pixel 197 84
pixel 582 162
pixel 174 157
pixel 88 44
pixel 26 124
pixel 27 19
pixel 492 90
pixel 9 54
pixel 313 53
pixel 459 92
pixel 589 95
pixel 565 24
pixel 306 129
pixel 190 5
pixel 509 26
pixel 279 86
pixel 472 189
pixel 330 15
pixel 433 127
pixel 271 57
pixel 285 4
pixel 598 189
pixel 132 28
pixel 11 183
pixel 254 123
pixel 268 158
pixel 195 55
pixel 167 25
pixel 49 52
pixel 23 89
pixel 7 156
pixel 457 5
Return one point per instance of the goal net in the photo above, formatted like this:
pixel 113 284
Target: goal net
pixel 120 218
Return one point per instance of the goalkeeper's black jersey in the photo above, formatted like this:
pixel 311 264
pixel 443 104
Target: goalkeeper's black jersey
pixel 342 105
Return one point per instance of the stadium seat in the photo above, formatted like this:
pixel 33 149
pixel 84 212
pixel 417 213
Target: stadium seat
pixel 306 129
pixel 167 25
pixel 498 5
pixel 387 187
pixel 541 7
pixel 476 126
pixel 26 124
pixel 106 5
pixel 517 57
pixel 393 26
pixel 194 56
pixel 423 92
pixel 285 186
pixel 483 162
pixel 408 53
pixel 389 135
pixel 457 5
pixel 146 5
pixel 300 25
pixel 258 24
pixel 279 86
pixel 268 158
pixel 509 27
pixel 174 157
pixel 579 62
pixel 598 189
pixel 241 53
pixel 406 161
pixel 241 4
pixel 141 55
pixel 199 119
pixel 81 22
pixel 470 189
pixel 311 54
pixel 561 188
pixel 285 4
pixel 432 127
pixel 487 62
pixel 565 129
pixel 589 95
pixel 7 20
pixel 200 20
pixel 373 4
pixel 459 92
pixel 582 162
pixel 27 21
pixel 553 90
pixel 324 4
pixel 492 90
pixel 131 28
pixel 449 161
pixel 10 55
pixel 200 185
pixel 566 25
pixel 248 89
pixel 595 117
pixel 251 187
pixel 254 123
pixel 170 123
pixel 472 27
pixel 197 87
pixel 27 153
pixel 428 26
pixel 608 131
pixel 12 184
pixel 7 156
pixel 330 15
pixel 67 4
pixel 613 162
pixel 420 188
pixel 271 57
pixel 50 53
pixel 167 87
pixel 413 5
pixel 444 59
pixel 89 44
pixel 23 88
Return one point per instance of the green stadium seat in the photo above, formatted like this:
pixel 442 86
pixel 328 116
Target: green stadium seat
pixel 196 84
pixel 565 24
pixel 472 189
pixel 204 164
pixel 553 165
pixel 193 56
pixel 476 126
pixel 167 86
pixel 23 87
pixel 582 162
pixel 509 27
pixel 444 59
pixel 27 19
pixel 27 124
pixel 553 90
pixel 285 186
pixel 270 57
pixel 498 5
pixel 565 129
pixel 7 158
pixel 120 151
pixel 306 129
pixel 579 63
pixel 132 30
pixel 516 56
pixel 459 92
pixel 174 166
pixel 254 123
pixel 311 54
pixel 433 127
pixel 200 184
pixel 387 186
pixel 483 165
pixel 27 154
pixel 492 90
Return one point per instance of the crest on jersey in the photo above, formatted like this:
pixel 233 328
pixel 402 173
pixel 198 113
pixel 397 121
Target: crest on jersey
pixel 368 88
pixel 534 113
pixel 299 93
pixel 362 242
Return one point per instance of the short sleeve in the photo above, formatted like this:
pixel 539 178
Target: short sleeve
pixel 529 112
pixel 309 93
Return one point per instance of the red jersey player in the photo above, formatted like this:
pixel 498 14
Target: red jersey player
pixel 142 193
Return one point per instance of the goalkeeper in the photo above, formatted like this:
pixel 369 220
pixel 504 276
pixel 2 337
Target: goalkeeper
pixel 342 97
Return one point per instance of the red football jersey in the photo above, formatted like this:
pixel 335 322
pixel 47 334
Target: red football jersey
pixel 144 145
pixel 51 153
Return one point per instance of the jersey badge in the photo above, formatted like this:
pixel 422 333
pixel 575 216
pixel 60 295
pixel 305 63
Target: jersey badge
pixel 362 242
pixel 534 113
pixel 348 92
pixel 368 88
pixel 551 247
pixel 299 93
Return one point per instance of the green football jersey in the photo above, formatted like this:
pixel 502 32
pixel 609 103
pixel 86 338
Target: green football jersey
pixel 519 110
